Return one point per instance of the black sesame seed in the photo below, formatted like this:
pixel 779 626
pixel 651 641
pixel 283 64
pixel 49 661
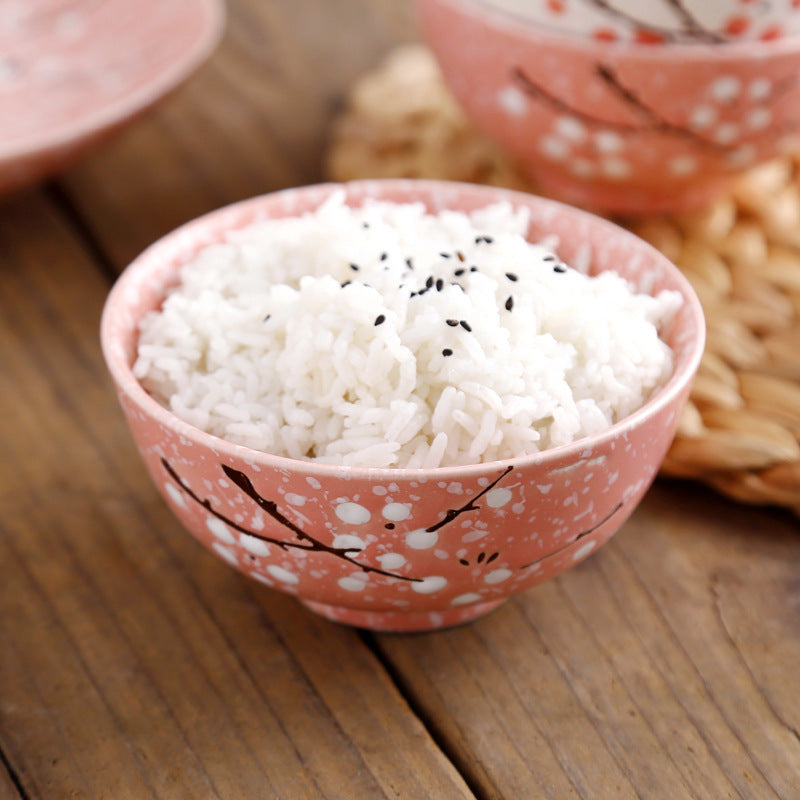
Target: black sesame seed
pixel 452 322
pixel 409 263
pixel 473 269
pixel 429 282
pixel 466 326
pixel 379 319
pixel 459 272
pixel 266 319
pixel 346 283
pixel 365 224
pixel 549 258
pixel 384 256
pixel 487 239
pixel 389 526
pixel 445 255
pixel 463 561
pixel 511 276
pixel 439 285
pixel 559 268
pixel 447 352
pixel 509 303
pixel 354 267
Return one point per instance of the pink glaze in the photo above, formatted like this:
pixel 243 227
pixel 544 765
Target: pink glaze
pixel 616 126
pixel 71 74
pixel 398 549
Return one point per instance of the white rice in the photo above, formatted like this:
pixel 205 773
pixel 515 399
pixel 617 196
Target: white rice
pixel 312 338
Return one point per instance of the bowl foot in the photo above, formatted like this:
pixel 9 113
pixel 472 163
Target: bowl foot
pixel 402 621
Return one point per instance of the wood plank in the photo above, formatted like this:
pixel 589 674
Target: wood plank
pixel 664 666
pixel 253 120
pixel 135 664
pixel 8 790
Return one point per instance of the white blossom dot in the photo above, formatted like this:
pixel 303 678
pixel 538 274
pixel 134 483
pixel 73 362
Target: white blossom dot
pixel 313 483
pixel 496 498
pixel 583 550
pixel 760 88
pixel 554 147
pixel 726 88
pixel 258 547
pixel 616 168
pixel 261 578
pixel 225 553
pixel 726 133
pixel 429 585
pixel 295 499
pixel 513 101
pixel 498 575
pixel 608 142
pixel 682 165
pixel 421 539
pixel 347 541
pixel 466 599
pixel 352 513
pixel 391 560
pixel 571 128
pixel 281 574
pixel 175 494
pixel 758 119
pixel 702 117
pixel 220 530
pixel 396 512
pixel 352 583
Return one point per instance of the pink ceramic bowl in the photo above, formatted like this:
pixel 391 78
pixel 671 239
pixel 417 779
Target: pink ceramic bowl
pixel 617 126
pixel 74 73
pixel 401 549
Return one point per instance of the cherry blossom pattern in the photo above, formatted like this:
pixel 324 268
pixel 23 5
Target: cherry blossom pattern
pixel 729 115
pixel 345 547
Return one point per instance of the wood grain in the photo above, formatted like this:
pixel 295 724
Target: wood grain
pixel 659 668
pixel 256 118
pixel 134 663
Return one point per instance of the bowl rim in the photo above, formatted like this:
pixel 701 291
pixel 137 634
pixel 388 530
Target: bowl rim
pixel 518 24
pixel 171 244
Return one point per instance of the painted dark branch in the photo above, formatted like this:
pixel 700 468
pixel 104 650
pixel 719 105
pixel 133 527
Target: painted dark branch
pixel 206 504
pixel 691 24
pixel 307 542
pixel 533 89
pixel 654 120
pixel 580 536
pixel 470 505
pixel 269 506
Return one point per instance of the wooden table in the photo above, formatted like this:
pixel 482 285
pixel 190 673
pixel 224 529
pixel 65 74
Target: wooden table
pixel 133 664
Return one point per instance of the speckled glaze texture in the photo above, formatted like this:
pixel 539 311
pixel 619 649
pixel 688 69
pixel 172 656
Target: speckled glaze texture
pixel 74 71
pixel 617 126
pixel 395 549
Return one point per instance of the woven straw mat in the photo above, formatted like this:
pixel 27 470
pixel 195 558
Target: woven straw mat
pixel 740 432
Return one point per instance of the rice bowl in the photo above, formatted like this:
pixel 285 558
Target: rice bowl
pixel 403 548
